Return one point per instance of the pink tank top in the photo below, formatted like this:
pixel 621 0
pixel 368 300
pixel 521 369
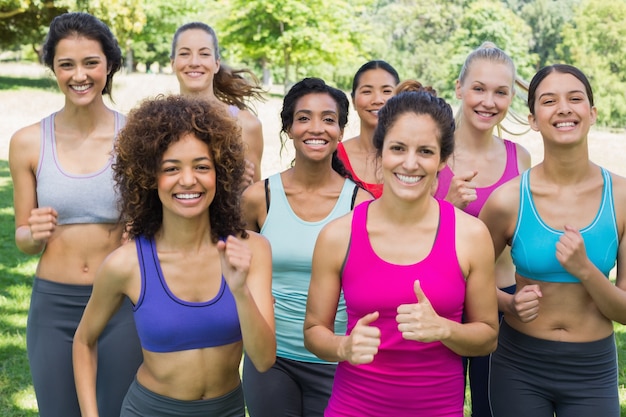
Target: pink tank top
pixel 375 189
pixel 482 193
pixel 406 378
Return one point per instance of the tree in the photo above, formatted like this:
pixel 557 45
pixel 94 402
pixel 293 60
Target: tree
pixel 595 41
pixel 288 34
pixel 547 18
pixel 153 43
pixel 24 22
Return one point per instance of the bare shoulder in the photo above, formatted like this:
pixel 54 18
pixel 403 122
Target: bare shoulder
pixel 523 157
pixel 248 120
pixel 619 197
pixel 254 196
pixel 470 228
pixel 361 196
pixel 337 232
pixel 505 198
pixel 26 142
pixel 121 266
pixel 257 242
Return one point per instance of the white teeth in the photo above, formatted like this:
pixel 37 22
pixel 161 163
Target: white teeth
pixel 81 87
pixel 409 179
pixel 187 196
pixel 375 112
pixel 315 142
pixel 483 114
pixel 565 124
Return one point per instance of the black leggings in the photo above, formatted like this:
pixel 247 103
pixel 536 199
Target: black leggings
pixel 542 378
pixel 141 402
pixel 289 389
pixel 55 311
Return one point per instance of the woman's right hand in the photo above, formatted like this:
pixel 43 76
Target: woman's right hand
pixel 462 190
pixel 525 303
pixel 42 223
pixel 362 344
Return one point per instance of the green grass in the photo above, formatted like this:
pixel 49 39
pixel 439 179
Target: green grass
pixel 20 83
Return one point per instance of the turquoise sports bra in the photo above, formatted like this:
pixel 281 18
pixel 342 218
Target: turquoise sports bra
pixel 533 246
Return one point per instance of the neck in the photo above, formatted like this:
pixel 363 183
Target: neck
pixel 182 234
pixel 366 138
pixel 400 212
pixel 469 138
pixel 312 174
pixel 84 118
pixel 566 166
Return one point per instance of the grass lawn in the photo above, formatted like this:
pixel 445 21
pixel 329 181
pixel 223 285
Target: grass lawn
pixel 17 398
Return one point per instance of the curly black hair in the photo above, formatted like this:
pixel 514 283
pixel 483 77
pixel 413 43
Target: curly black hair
pixel 150 129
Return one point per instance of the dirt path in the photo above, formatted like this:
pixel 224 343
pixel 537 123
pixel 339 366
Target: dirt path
pixel 21 107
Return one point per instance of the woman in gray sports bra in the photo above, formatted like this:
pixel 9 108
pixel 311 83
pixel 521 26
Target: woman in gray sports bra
pixel 565 220
pixel 65 210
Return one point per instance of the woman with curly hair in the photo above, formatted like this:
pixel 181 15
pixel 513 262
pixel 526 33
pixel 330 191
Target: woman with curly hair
pixel 196 61
pixel 200 284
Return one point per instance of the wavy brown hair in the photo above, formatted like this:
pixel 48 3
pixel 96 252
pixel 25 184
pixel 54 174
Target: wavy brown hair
pixel 150 129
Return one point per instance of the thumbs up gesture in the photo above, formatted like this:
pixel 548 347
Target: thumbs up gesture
pixel 419 321
pixel 362 344
pixel 462 189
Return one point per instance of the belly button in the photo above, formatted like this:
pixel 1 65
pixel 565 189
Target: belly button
pixel 85 269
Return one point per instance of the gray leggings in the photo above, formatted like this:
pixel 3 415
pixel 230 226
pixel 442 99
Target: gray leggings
pixel 541 378
pixel 55 311
pixel 141 402
pixel 288 389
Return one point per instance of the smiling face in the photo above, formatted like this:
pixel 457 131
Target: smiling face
pixel 374 88
pixel 195 61
pixel 411 156
pixel 186 179
pixel 81 69
pixel 485 93
pixel 315 130
pixel 562 111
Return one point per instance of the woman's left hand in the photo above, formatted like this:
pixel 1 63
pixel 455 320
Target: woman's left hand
pixel 571 252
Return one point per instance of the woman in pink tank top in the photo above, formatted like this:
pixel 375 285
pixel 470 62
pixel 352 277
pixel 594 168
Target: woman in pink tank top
pixel 480 163
pixel 409 267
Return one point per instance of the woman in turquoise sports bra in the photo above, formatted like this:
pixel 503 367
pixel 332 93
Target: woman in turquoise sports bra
pixel 565 220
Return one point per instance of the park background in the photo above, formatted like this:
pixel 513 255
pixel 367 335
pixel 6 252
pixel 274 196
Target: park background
pixel 283 41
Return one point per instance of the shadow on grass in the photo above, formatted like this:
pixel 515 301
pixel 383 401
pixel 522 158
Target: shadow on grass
pixel 15 288
pixel 18 83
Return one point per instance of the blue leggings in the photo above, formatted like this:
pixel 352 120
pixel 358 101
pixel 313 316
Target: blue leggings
pixel 289 389
pixel 542 378
pixel 55 311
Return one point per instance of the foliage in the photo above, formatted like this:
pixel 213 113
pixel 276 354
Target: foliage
pixel 163 17
pixel 595 41
pixel 24 22
pixel 547 18
pixel 289 34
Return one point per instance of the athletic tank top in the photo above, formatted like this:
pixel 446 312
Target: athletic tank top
pixel 165 323
pixel 482 193
pixel 374 189
pixel 77 198
pixel 293 241
pixel 406 378
pixel 533 246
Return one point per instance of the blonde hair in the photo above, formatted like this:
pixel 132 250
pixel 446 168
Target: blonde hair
pixel 490 52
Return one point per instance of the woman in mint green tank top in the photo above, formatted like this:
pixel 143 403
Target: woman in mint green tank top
pixel 289 209
pixel 565 220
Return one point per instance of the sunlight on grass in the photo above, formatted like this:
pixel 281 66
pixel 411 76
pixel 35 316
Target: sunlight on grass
pixel 25 399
